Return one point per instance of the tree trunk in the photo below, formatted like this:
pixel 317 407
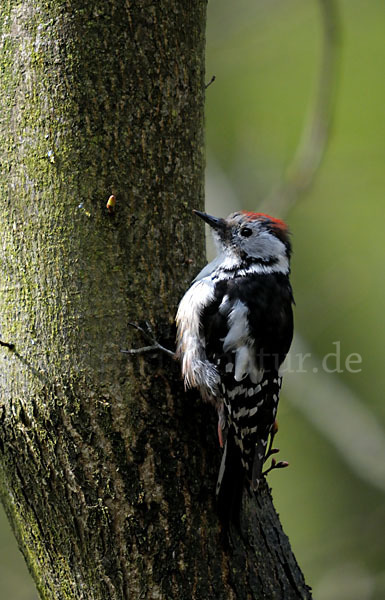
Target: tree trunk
pixel 108 467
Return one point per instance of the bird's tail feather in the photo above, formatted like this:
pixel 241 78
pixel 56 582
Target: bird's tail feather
pixel 230 483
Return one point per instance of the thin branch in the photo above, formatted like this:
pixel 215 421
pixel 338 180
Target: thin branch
pixel 315 136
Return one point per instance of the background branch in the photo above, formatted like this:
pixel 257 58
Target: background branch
pixel 304 166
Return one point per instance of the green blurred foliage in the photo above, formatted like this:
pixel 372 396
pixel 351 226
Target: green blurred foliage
pixel 16 583
pixel 266 55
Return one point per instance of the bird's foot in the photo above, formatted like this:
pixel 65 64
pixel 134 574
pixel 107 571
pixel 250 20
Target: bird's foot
pixel 270 451
pixel 275 465
pixel 148 335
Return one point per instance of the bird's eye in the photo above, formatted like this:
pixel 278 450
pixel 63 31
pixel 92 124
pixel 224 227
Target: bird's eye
pixel 246 231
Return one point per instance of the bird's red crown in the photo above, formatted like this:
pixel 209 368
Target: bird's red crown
pixel 252 216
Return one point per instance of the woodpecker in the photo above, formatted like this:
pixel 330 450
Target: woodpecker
pixel 234 329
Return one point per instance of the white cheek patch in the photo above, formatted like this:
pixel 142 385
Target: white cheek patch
pixel 264 246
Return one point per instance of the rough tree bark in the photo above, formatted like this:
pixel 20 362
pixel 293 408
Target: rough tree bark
pixel 108 467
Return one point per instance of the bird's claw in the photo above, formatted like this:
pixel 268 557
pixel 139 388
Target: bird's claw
pixel 148 334
pixel 270 451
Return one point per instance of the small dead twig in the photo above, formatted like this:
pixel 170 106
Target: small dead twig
pixel 210 82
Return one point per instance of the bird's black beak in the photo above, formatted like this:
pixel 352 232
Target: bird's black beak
pixel 214 222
